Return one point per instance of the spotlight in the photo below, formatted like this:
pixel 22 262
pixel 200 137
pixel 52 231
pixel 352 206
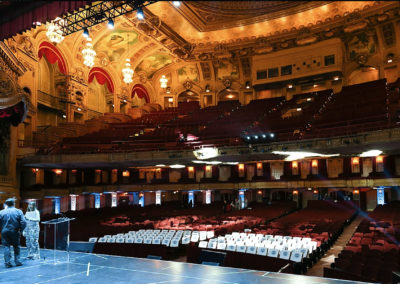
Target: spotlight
pixel 110 24
pixel 255 137
pixel 263 136
pixel 177 4
pixel 248 137
pixel 86 32
pixel 139 14
pixel 272 135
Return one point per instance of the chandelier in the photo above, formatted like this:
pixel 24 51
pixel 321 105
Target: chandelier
pixel 54 32
pixel 163 82
pixel 127 72
pixel 88 54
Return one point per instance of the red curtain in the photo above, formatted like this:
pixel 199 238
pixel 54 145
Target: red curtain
pixel 15 113
pixel 53 55
pixel 46 12
pixel 141 92
pixel 102 78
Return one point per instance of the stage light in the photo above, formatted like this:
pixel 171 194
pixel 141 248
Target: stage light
pixel 177 4
pixel 110 24
pixel 86 32
pixel 371 153
pixel 248 137
pixel 264 136
pixel 160 165
pixel 272 135
pixel 255 137
pixel 139 14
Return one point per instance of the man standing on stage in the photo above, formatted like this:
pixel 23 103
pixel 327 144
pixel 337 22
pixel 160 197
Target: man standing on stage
pixel 12 223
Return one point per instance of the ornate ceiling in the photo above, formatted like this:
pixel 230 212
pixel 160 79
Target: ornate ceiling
pixel 217 15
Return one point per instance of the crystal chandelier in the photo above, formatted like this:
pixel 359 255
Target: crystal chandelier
pixel 127 72
pixel 54 32
pixel 163 82
pixel 88 54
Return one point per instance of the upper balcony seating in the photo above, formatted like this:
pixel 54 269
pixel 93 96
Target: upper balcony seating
pixel 357 108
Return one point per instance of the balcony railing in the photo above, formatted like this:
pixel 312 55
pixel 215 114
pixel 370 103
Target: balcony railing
pixel 51 100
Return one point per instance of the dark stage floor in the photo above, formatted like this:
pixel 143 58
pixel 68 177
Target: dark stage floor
pixel 97 268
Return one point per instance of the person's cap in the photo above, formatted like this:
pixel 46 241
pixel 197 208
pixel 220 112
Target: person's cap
pixel 10 201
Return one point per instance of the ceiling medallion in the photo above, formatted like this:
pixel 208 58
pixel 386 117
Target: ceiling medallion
pixel 188 85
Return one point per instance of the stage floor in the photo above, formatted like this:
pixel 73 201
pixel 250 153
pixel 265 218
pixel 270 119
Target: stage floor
pixel 100 268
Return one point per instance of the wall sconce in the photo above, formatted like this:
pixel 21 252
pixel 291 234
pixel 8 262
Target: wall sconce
pixel 355 160
pixel 315 191
pixel 58 172
pixel 295 164
pixel 98 171
pixel 259 192
pixel 125 173
pixel 35 170
pixel 208 168
pixel 207 88
pixel 389 58
pixel 379 159
pixel 168 90
pixel 336 78
pixel 190 169
pixel 259 166
pixel 295 192
pixel 170 100
pixel 314 163
pixel 356 191
pixel 247 85
pixel 73 171
pixel 241 167
pixel 290 86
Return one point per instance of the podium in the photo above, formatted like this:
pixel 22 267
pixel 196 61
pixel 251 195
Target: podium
pixel 56 235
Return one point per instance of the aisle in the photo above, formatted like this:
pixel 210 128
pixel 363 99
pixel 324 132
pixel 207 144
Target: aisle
pixel 329 257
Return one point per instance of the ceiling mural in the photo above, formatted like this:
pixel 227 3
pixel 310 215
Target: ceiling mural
pixel 225 69
pixel 361 44
pixel 188 73
pixel 152 63
pixel 114 44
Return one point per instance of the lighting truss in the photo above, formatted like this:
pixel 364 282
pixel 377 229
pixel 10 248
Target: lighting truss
pixel 99 12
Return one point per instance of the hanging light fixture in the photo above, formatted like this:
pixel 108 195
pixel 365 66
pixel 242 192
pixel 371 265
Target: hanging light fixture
pixel 88 54
pixel 127 72
pixel 163 82
pixel 54 32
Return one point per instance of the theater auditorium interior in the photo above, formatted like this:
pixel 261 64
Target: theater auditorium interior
pixel 204 141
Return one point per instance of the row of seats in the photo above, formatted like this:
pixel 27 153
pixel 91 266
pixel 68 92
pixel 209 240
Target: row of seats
pixel 373 252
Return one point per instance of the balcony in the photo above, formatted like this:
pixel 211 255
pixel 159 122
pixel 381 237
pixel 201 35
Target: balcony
pixel 51 101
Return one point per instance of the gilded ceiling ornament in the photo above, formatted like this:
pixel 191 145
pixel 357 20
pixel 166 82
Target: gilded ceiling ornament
pixel 362 59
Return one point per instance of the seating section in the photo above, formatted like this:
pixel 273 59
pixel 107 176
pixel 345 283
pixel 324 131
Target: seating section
pixel 357 108
pixel 373 252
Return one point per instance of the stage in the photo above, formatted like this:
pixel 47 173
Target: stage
pixel 100 268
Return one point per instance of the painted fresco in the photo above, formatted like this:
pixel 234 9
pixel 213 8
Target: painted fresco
pixel 188 73
pixel 361 43
pixel 115 44
pixel 151 64
pixel 226 69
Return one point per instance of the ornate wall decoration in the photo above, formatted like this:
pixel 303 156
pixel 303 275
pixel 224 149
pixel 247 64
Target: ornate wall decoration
pixel 361 44
pixel 152 63
pixel 188 73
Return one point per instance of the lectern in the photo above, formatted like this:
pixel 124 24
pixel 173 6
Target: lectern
pixel 56 235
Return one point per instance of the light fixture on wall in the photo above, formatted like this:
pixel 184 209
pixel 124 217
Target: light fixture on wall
pixel 88 54
pixel 163 82
pixel 168 90
pixel 290 86
pixel 127 72
pixel 208 88
pixel 389 58
pixel 247 85
pixel 54 32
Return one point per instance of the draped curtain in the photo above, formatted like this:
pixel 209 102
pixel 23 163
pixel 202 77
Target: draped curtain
pixel 46 12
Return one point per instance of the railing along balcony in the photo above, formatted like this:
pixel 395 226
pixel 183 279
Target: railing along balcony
pixel 51 100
